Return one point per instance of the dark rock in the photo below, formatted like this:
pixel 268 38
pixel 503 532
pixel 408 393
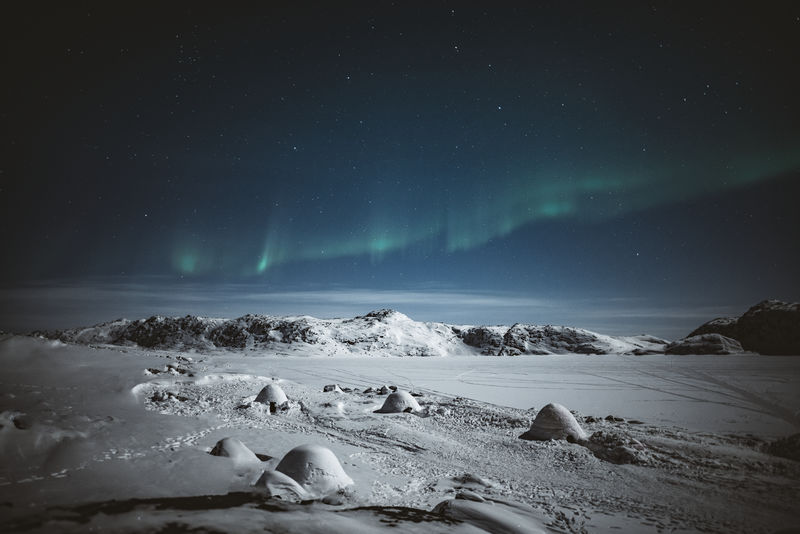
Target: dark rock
pixel 725 326
pixel 331 387
pixel 481 337
pixel 21 422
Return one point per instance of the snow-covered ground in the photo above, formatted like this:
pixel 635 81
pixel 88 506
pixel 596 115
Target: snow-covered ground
pixel 119 438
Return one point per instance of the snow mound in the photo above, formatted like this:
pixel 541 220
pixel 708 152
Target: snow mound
pixel 315 468
pixel 705 344
pixel 769 327
pixel 278 484
pixel 399 401
pixel 488 516
pixel 554 421
pixel 235 450
pixel 271 393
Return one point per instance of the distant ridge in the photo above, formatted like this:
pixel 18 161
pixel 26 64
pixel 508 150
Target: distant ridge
pixel 381 332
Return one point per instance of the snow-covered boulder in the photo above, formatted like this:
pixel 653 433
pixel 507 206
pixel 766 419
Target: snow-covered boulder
pixel 315 468
pixel 554 421
pixel 235 450
pixel 705 344
pixel 271 393
pixel 398 402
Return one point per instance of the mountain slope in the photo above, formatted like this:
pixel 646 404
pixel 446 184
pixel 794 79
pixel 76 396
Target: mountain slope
pixel 381 332
pixel 769 327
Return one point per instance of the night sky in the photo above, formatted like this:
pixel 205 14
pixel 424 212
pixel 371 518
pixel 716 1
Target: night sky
pixel 622 166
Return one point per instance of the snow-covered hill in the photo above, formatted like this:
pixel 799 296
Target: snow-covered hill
pixel 382 332
pixel 769 327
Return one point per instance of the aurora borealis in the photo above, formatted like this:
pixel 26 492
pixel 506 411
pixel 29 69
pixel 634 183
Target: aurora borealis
pixel 557 151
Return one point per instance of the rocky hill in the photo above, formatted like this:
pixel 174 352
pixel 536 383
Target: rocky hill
pixel 382 332
pixel 769 327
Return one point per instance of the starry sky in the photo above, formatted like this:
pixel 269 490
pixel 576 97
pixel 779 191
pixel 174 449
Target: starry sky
pixel 626 166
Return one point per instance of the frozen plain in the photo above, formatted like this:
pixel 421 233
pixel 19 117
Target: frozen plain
pixel 85 445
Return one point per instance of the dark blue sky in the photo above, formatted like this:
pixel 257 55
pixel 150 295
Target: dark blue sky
pixel 589 158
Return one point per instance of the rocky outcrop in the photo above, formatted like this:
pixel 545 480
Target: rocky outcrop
pixel 488 338
pixel 705 344
pixel 547 339
pixel 769 327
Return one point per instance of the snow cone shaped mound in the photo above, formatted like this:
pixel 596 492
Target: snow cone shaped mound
pixel 235 450
pixel 554 422
pixel 272 393
pixel 399 401
pixel 315 468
